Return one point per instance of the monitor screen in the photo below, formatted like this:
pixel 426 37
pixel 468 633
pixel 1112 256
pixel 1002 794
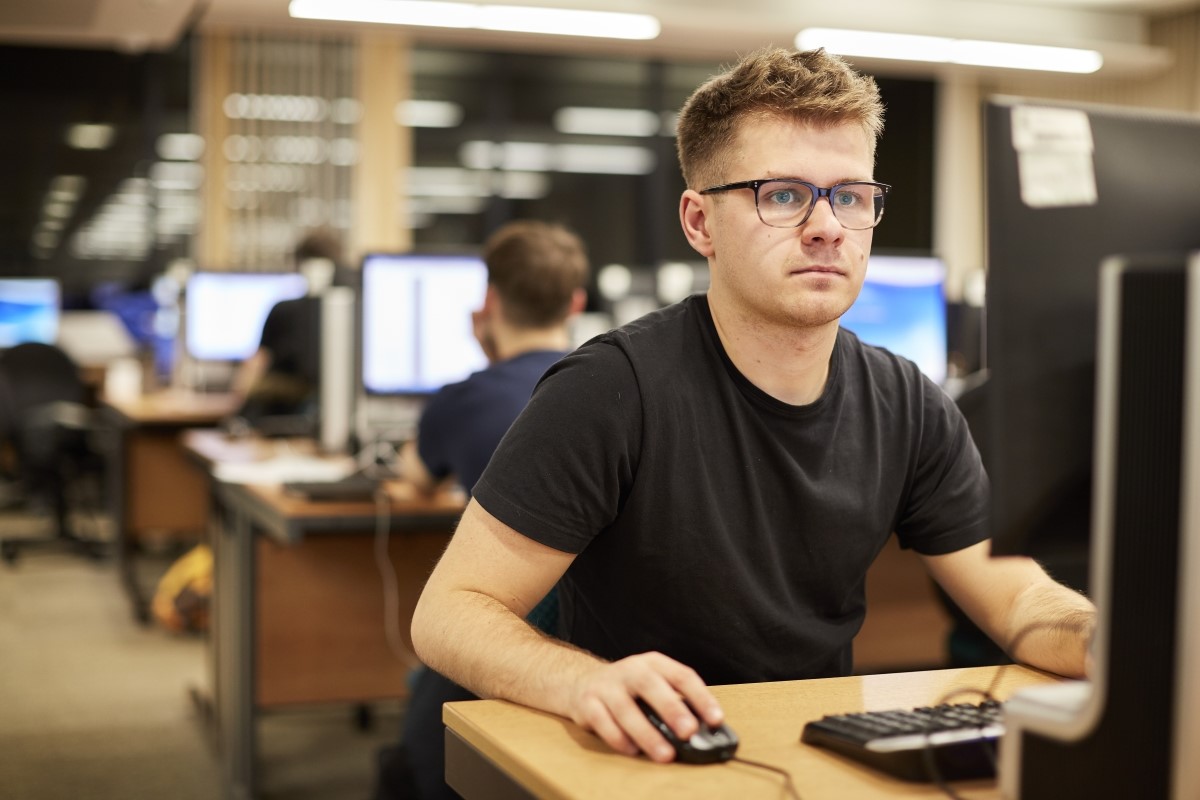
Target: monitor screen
pixel 416 321
pixel 224 311
pixel 902 308
pixel 29 310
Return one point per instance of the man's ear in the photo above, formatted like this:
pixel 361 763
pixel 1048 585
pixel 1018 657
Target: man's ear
pixel 578 302
pixel 693 216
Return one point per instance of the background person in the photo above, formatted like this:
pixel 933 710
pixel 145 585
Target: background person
pixel 536 277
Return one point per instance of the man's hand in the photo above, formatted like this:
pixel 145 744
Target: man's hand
pixel 604 701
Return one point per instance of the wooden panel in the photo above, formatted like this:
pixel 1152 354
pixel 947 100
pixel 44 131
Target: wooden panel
pixel 165 492
pixel 379 222
pixel 214 82
pixel 906 625
pixel 320 616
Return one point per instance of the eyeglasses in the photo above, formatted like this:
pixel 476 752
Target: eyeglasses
pixel 785 203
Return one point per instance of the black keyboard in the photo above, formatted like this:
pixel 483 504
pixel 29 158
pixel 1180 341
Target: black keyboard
pixel 946 742
pixel 353 488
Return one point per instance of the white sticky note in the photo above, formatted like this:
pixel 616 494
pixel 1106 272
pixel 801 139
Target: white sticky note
pixel 1054 156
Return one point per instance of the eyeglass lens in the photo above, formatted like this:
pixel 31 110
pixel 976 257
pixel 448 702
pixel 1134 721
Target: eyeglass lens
pixel 786 204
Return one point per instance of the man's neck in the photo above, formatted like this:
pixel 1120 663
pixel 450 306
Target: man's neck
pixel 512 342
pixel 788 362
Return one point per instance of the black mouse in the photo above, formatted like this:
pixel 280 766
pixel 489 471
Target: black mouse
pixel 708 745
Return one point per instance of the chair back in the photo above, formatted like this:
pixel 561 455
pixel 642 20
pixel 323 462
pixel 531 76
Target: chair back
pixel 38 374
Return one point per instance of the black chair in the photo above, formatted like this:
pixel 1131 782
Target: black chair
pixel 49 435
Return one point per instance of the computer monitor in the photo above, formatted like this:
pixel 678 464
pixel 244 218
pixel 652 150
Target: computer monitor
pixel 902 307
pixel 1089 456
pixel 224 311
pixel 416 333
pixel 30 310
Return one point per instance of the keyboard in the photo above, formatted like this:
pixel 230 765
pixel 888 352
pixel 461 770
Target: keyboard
pixel 353 488
pixel 946 742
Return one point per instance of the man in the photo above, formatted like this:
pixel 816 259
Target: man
pixel 282 377
pixel 536 277
pixel 708 485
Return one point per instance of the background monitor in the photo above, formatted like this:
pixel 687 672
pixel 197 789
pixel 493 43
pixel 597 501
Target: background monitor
pixel 30 309
pixel 902 307
pixel 416 321
pixel 224 311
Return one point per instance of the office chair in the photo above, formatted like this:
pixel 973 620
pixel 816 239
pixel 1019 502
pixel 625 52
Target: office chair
pixel 47 432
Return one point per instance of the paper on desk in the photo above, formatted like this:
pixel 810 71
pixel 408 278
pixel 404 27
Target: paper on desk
pixel 282 469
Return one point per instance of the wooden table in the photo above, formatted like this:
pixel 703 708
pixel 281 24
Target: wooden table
pixel 299 600
pixel 496 749
pixel 154 491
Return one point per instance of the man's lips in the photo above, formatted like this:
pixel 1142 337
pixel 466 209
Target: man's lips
pixel 817 270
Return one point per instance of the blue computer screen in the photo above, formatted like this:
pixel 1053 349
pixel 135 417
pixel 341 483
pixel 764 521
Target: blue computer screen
pixel 29 310
pixel 224 311
pixel 902 307
pixel 416 321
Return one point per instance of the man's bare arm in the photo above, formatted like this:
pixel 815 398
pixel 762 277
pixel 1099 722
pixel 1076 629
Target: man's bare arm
pixel 469 625
pixel 1037 620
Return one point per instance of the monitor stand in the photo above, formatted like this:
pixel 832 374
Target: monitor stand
pixel 1133 730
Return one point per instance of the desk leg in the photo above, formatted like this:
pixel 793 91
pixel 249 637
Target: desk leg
pixel 473 775
pixel 118 490
pixel 233 639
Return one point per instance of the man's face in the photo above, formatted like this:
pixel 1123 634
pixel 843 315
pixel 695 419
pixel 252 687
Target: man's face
pixel 806 276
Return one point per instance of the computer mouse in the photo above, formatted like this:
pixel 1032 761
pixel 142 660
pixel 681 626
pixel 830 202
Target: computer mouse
pixel 708 745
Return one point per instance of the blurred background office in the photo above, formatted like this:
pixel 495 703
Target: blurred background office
pixel 149 146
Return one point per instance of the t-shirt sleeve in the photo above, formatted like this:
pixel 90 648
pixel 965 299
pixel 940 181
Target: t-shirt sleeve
pixel 272 329
pixel 563 470
pixel 946 508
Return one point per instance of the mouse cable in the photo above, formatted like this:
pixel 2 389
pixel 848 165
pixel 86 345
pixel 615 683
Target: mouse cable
pixel 387 573
pixel 789 788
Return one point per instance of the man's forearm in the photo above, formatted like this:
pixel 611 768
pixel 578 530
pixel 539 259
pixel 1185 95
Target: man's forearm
pixel 1051 628
pixel 483 646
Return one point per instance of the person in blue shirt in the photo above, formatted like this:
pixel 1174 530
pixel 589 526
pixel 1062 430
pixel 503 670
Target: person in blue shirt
pixel 537 272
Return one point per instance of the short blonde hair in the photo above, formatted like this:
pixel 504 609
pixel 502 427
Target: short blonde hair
pixel 811 86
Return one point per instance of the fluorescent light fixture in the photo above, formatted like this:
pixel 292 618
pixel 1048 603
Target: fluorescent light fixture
pixel 942 50
pixel 428 114
pixel 598 159
pixel 513 19
pixel 90 137
pixel 606 121
pixel 180 146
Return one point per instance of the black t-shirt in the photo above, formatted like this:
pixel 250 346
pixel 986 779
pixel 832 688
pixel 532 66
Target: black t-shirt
pixel 715 523
pixel 292 334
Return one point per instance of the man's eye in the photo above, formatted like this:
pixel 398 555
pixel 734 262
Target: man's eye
pixel 784 197
pixel 847 199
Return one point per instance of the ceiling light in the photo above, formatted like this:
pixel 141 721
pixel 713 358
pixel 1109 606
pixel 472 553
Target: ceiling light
pixel 180 146
pixel 540 157
pixel 939 49
pixel 428 114
pixel 90 137
pixel 513 19
pixel 607 121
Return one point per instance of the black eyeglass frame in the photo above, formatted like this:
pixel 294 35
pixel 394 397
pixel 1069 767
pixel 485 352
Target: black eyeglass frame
pixel 817 191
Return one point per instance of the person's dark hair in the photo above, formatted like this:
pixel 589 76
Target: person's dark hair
pixel 811 86
pixel 319 243
pixel 536 268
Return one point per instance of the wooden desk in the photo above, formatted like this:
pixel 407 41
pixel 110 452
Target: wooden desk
pixel 154 491
pixel 298 599
pixel 496 749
